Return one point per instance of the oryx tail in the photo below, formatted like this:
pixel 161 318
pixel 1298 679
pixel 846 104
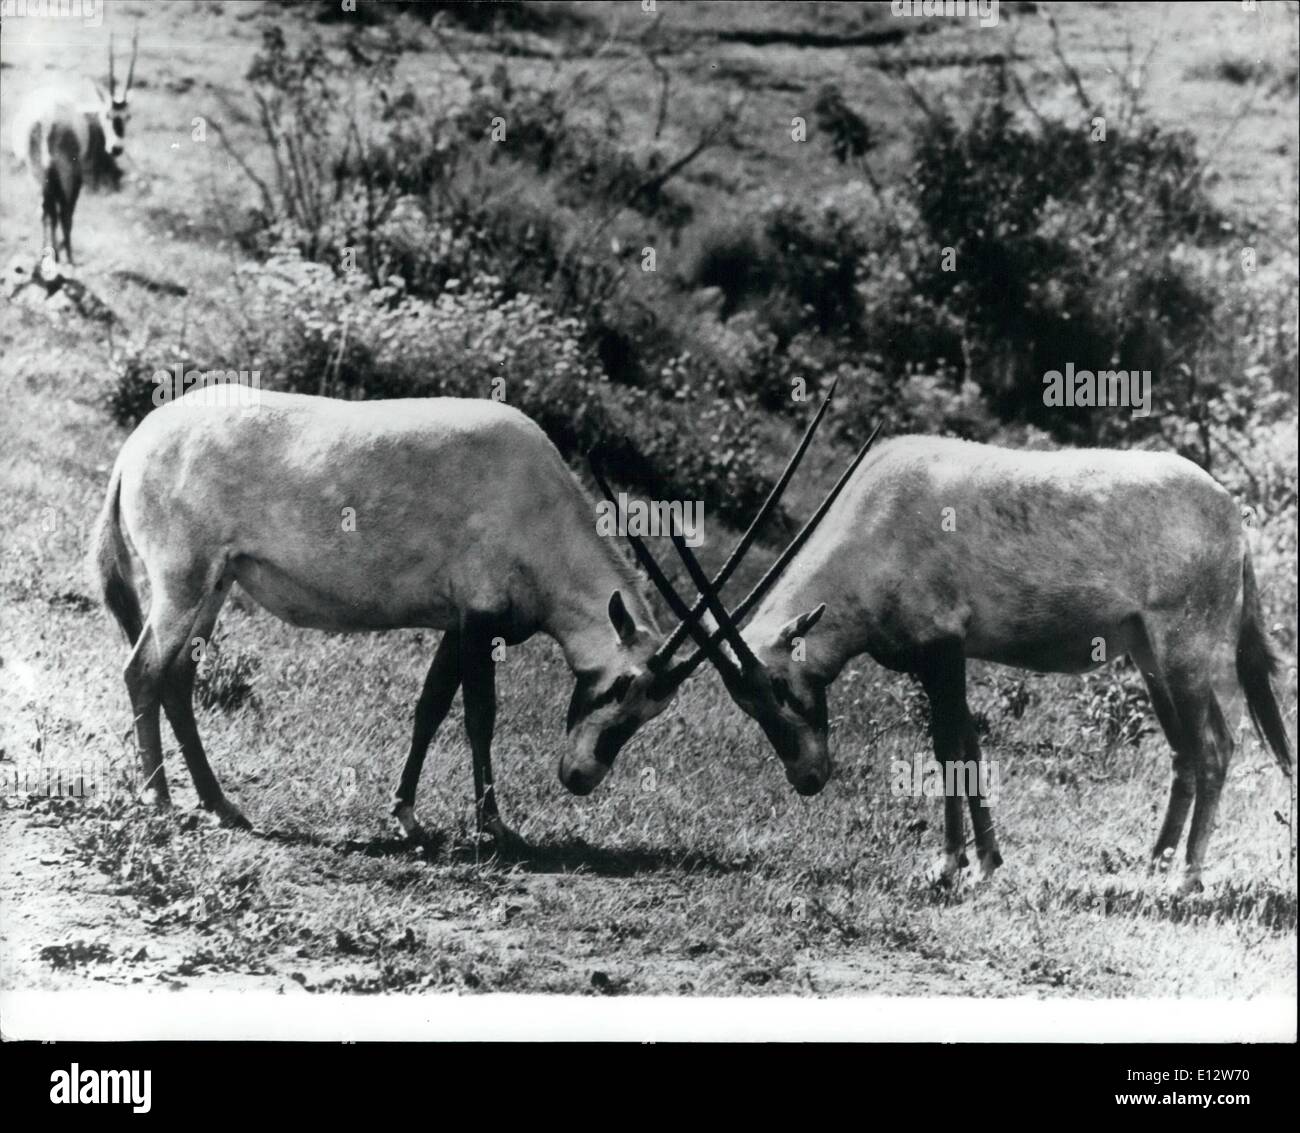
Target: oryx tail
pixel 1257 665
pixel 113 567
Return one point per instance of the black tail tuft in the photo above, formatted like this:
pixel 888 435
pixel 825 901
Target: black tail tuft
pixel 1256 667
pixel 113 567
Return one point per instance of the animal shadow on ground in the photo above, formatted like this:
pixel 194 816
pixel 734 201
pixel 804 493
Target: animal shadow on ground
pixel 566 855
pixel 387 846
pixel 573 855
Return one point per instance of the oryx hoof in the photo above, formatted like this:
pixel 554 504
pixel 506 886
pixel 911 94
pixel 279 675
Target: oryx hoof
pixel 504 842
pixel 1161 860
pixel 989 863
pixel 156 798
pixel 411 828
pixel 230 816
pixel 1186 886
pixel 946 873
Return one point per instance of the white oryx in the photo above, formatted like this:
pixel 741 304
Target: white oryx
pixel 943 550
pixel 440 513
pixel 62 138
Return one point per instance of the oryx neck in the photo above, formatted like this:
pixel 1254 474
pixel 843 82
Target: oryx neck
pixel 576 607
pixel 831 643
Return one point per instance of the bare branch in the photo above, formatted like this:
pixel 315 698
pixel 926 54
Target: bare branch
pixel 1085 100
pixel 268 200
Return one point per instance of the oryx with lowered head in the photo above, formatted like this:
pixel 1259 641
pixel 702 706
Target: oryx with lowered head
pixel 941 551
pixel 64 139
pixel 442 513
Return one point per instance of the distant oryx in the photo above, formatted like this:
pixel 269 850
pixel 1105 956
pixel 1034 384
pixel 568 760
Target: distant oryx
pixel 62 139
pixel 942 550
pixel 440 513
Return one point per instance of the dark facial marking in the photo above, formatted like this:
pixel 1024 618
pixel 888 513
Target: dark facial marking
pixel 815 716
pixel 584 703
pixel 612 740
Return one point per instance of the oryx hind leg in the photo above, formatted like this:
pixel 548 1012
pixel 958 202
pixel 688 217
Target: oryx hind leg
pixel 1215 744
pixel 1183 671
pixel 431 710
pixel 68 205
pixel 176 603
pixel 178 703
pixel 50 218
pixel 1211 699
pixel 143 676
pixel 1182 791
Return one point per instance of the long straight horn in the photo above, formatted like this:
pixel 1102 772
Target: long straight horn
pixel 684 670
pixel 709 596
pixel 130 71
pixel 699 635
pixel 112 82
pixel 669 647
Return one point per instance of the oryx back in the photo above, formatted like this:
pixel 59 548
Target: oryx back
pixel 1028 558
pixel 356 515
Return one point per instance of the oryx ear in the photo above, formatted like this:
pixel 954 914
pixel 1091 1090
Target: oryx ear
pixel 104 99
pixel 620 619
pixel 799 627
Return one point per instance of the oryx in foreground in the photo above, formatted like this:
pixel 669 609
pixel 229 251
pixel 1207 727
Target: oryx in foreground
pixel 63 139
pixel 441 513
pixel 939 551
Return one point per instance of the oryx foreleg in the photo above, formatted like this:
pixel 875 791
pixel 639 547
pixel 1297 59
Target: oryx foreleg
pixel 981 812
pixel 431 710
pixel 943 676
pixel 478 677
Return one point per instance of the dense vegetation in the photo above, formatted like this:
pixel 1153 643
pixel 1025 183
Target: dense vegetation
pixel 486 250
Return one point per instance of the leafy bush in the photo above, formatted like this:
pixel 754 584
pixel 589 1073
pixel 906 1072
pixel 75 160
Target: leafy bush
pixel 798 264
pixel 323 334
pixel 344 161
pixel 849 134
pixel 1077 257
pixel 1116 706
pixel 134 390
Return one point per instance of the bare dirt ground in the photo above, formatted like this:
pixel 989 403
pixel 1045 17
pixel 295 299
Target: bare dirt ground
pixel 63 924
